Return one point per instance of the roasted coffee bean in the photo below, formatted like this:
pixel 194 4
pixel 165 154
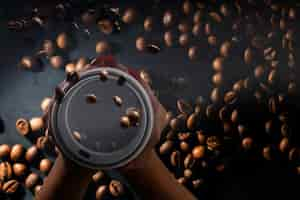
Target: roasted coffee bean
pixel 6 171
pixel 43 143
pixel 63 41
pixel 145 76
pixel 37 189
pixel 129 16
pixel 188 173
pixel 211 112
pixel 175 159
pixel 235 116
pixel 166 147
pixel 49 47
pixel 215 95
pixel 225 49
pixel 101 192
pixel 31 154
pixel 224 10
pixel 23 126
pixel 106 26
pixel 168 19
pixel 140 44
pixel 183 27
pixel 70 68
pixel 212 40
pixel 213 142
pixel 196 30
pixel 198 152
pixel 217 79
pixel 125 122
pixel 216 17
pixel 45 165
pixel 10 187
pixel 28 62
pixel 117 100
pixel 197 183
pixel 168 38
pixel 201 137
pixel 193 52
pixel 247 143
pixel 187 7
pixel 134 115
pixel 193 121
pixel 189 161
pixel 198 17
pixel 230 97
pixel 273 105
pixel 182 180
pixel 36 123
pixel 171 135
pixel 4 151
pixel 102 47
pixel 45 104
pixel 292 88
pixel 148 24
pixel 224 113
pixel 184 136
pixel 268 153
pixel 259 72
pixel 207 29
pixel 242 130
pixel 98 177
pixel 184 146
pixel 248 56
pixel 17 152
pixel 88 18
pixel 116 188
pixel 81 64
pixel 284 130
pixel 238 86
pixel 218 64
pixel 19 169
pixel 178 122
pixel 272 77
pixel 184 39
pixel 184 107
pixel 294 154
pixel 284 145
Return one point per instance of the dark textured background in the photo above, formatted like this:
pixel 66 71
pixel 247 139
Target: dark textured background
pixel 174 76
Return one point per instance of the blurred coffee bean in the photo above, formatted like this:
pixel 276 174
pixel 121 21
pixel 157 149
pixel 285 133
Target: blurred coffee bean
pixel 168 18
pixel 148 24
pixel 215 16
pixel 184 136
pixel 6 171
pixel 189 161
pixel 182 180
pixel 268 153
pixel 247 143
pixel 45 104
pixel 56 62
pixel 213 143
pixel 238 86
pixel 196 30
pixel 218 64
pixel 230 97
pixel 188 173
pixel 37 189
pixel 197 183
pixel 116 188
pixel 193 121
pixel 19 169
pixel 31 154
pixel 284 145
pixel 184 107
pixel 294 154
pixel 217 79
pixel 292 88
pixel 4 151
pixel 10 187
pixel 166 147
pixel 140 44
pixel 43 143
pixel 98 177
pixel 168 38
pixel 224 10
pixel 183 27
pixel 198 17
pixel 49 47
pixel 272 77
pixel 101 192
pixel 259 72
pixel 187 7
pixel 17 152
pixel 193 52
pixel 88 18
pixel 248 56
pixel 70 68
pixel 212 40
pixel 184 146
pixel 225 49
pixel 178 122
pixel 63 41
pixel 184 39
pixel 45 165
pixel 81 64
pixel 31 180
pixel 198 152
pixel 175 159
pixel 129 16
pixel 216 95
pixel 102 47
pixel 201 137
pixel 106 26
pixel 211 112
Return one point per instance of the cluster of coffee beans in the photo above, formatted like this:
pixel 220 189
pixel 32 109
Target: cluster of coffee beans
pixel 252 114
pixel 107 186
pixel 22 167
